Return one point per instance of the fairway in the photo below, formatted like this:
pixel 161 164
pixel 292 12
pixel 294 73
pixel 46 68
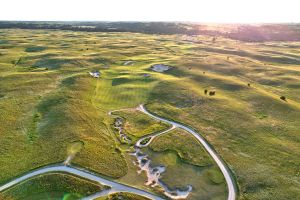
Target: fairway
pixel 53 112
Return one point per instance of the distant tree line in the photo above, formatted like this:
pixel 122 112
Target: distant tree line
pixel 250 33
pixel 137 27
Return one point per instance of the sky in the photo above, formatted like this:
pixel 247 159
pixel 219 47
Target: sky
pixel 207 11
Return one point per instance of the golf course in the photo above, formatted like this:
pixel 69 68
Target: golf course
pixel 139 116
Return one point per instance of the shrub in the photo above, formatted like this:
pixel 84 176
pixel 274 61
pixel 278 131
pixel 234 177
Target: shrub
pixel 283 98
pixel 145 141
pixel 117 150
pixel 35 49
pixel 212 93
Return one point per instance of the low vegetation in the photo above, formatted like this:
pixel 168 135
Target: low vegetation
pixel 185 145
pixel 123 196
pixel 48 101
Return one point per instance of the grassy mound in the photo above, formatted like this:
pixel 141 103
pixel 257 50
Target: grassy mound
pixel 139 124
pixel 48 101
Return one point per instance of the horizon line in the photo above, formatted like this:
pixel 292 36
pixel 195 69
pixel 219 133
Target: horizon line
pixel 154 21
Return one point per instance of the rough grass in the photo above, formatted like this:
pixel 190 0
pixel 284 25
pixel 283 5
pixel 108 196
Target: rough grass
pixel 48 101
pixel 234 126
pixel 66 114
pixel 52 186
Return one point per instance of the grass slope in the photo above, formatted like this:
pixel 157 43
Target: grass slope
pixel 53 186
pixel 48 100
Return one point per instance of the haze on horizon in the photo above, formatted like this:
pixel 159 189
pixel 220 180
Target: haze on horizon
pixel 210 11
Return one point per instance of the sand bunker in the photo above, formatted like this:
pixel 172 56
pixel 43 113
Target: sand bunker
pixel 160 67
pixel 154 173
pixel 73 149
pixel 119 126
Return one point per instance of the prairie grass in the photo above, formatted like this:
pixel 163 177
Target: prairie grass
pixel 48 101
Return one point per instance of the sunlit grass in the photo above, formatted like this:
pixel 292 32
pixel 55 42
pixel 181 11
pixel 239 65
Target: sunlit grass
pixel 48 101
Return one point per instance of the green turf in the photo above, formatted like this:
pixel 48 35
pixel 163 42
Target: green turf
pixel 138 124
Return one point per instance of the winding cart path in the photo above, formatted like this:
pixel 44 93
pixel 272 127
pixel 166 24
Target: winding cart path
pixel 115 187
pixel 225 170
